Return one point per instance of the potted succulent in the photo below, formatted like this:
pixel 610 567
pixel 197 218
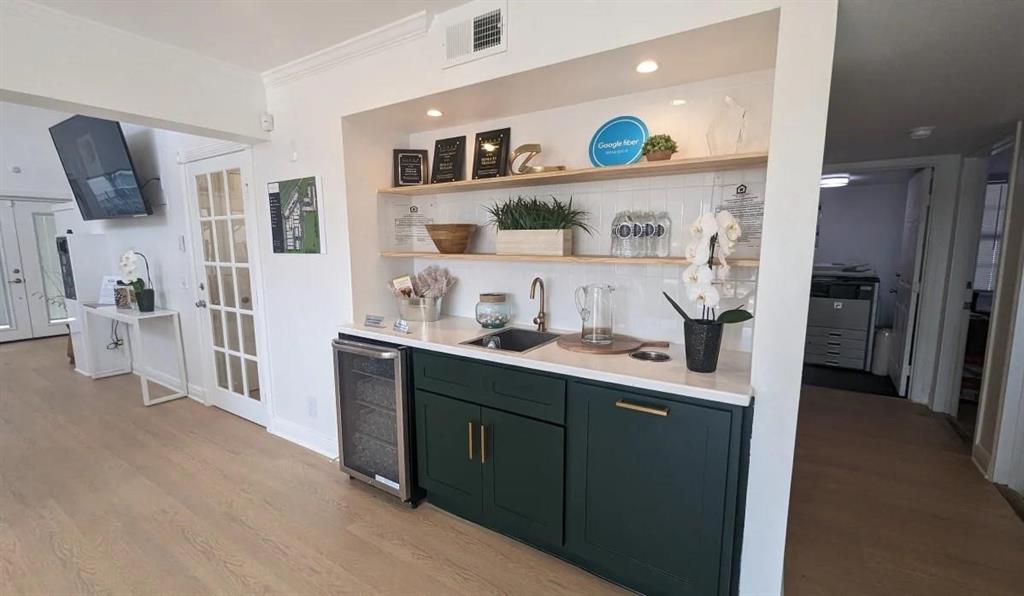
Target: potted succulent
pixel 659 148
pixel 703 336
pixel 144 294
pixel 531 226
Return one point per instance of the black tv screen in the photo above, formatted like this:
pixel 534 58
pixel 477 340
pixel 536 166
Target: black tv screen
pixel 96 160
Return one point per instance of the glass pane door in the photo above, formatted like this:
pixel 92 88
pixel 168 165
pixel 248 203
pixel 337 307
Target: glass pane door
pixel 49 268
pixel 220 206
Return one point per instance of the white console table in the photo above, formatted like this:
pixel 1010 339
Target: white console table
pixel 133 320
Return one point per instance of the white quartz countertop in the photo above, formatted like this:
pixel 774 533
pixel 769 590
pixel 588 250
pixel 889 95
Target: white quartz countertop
pixel 729 384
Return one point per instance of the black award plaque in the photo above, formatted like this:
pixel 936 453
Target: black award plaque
pixel 449 160
pixel 410 168
pixel 491 157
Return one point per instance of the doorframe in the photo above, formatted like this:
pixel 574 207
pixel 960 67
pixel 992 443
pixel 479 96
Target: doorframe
pixel 256 272
pixel 938 247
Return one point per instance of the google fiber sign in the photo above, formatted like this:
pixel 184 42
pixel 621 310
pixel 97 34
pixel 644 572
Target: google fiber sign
pixel 618 142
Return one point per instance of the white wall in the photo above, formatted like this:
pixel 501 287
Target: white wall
pixel 864 224
pixel 25 143
pixel 53 60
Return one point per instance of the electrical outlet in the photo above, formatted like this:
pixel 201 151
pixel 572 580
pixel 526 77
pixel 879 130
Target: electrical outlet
pixel 311 407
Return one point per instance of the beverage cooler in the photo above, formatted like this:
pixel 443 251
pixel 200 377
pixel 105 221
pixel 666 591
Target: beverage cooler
pixel 372 381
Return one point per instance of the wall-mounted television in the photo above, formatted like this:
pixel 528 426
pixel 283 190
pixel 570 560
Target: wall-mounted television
pixel 99 168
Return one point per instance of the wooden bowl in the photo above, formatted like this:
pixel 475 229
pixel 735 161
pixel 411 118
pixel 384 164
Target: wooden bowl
pixel 451 238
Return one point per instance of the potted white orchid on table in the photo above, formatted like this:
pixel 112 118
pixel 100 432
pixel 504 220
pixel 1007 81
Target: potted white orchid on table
pixel 129 264
pixel 703 336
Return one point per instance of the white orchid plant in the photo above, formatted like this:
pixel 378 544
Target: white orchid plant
pixel 129 266
pixel 712 232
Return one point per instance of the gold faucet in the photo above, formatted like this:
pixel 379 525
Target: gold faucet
pixel 539 320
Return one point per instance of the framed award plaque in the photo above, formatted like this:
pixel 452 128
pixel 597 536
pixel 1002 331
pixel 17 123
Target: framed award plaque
pixel 449 160
pixel 410 167
pixel 490 158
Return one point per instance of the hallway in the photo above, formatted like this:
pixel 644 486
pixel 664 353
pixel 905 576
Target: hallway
pixel 886 500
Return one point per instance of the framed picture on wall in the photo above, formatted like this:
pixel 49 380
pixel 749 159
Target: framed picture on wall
pixel 296 215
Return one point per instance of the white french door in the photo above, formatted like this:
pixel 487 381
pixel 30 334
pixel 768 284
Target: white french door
pixel 223 230
pixel 15 322
pixel 908 279
pixel 31 287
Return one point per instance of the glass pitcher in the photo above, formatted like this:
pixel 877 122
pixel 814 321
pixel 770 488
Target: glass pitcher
pixel 595 306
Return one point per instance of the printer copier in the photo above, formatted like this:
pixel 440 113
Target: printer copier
pixel 841 318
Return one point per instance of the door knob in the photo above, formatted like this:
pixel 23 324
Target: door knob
pixel 892 291
pixel 16 280
pixel 201 303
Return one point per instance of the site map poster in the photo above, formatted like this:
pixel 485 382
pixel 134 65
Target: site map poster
pixel 295 215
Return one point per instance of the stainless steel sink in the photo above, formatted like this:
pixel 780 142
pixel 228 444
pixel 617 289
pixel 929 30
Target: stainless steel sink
pixel 513 340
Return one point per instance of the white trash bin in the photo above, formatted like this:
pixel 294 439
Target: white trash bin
pixel 880 357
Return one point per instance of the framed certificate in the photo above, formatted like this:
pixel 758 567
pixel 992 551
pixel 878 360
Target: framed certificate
pixel 490 159
pixel 410 167
pixel 449 160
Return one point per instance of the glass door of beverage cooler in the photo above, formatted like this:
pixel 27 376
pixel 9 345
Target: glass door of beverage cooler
pixel 372 406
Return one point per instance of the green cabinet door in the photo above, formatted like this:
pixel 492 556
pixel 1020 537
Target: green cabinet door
pixel 523 477
pixel 650 487
pixel 448 453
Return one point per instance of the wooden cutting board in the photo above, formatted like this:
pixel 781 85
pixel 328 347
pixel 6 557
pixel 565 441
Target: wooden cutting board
pixel 622 344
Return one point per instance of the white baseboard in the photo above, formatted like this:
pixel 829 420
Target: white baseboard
pixel 326 446
pixel 197 393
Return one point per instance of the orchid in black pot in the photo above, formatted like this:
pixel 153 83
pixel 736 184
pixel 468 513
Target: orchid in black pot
pixel 703 336
pixel 144 294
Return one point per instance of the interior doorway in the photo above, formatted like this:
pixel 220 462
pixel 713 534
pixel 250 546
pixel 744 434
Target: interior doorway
pixel 989 222
pixel 31 287
pixel 867 279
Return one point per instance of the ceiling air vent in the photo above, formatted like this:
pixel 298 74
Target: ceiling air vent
pixel 472 35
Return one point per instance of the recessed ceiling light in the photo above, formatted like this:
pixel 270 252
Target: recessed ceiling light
pixel 679 102
pixel 921 132
pixel 647 67
pixel 434 113
pixel 835 180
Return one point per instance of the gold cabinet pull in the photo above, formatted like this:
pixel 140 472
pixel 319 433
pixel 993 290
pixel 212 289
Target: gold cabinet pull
pixel 483 444
pixel 469 439
pixel 655 410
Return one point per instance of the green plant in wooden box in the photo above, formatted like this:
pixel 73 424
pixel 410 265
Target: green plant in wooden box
pixel 531 226
pixel 659 147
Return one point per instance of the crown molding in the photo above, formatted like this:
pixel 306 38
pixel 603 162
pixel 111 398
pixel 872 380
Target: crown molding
pixel 390 35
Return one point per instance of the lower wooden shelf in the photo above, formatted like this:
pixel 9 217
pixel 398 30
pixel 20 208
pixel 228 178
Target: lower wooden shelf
pixel 590 259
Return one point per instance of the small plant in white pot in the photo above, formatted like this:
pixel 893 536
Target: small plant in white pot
pixel 530 226
pixel 703 336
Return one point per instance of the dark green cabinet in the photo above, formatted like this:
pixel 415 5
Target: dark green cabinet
pixel 652 489
pixel 643 488
pixel 500 469
pixel 524 477
pixel 447 452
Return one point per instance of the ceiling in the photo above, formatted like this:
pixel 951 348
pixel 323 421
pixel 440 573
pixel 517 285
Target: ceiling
pixel 954 64
pixel 256 35
pixel 731 47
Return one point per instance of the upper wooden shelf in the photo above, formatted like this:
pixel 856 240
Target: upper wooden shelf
pixel 637 170
pixel 591 259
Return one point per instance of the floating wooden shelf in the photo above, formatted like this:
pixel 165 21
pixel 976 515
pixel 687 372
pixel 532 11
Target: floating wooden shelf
pixel 637 170
pixel 587 259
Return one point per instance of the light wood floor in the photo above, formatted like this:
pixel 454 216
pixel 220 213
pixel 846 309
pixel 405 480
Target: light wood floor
pixel 886 500
pixel 99 494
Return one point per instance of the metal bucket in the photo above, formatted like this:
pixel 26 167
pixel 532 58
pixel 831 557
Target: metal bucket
pixel 420 309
